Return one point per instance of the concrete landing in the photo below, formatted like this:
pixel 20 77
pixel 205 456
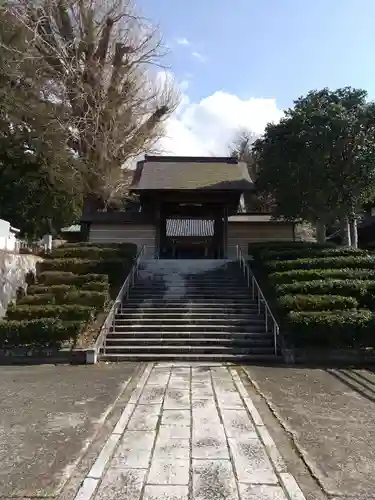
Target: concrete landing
pixel 189 433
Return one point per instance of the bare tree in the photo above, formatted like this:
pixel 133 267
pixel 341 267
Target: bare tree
pixel 241 148
pixel 103 65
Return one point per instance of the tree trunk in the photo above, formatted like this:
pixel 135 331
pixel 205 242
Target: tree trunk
pixel 345 226
pixel 354 232
pixel 320 231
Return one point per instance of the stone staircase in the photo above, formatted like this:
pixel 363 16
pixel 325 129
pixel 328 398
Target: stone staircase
pixel 189 310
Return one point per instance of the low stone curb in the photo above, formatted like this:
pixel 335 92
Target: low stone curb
pixel 327 356
pixel 24 356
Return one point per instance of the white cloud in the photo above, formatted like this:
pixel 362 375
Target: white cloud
pixel 183 41
pixel 207 127
pixel 199 56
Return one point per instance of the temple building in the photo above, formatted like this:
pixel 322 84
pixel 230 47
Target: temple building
pixel 188 208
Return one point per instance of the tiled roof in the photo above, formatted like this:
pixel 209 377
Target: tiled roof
pixel 201 174
pixel 189 227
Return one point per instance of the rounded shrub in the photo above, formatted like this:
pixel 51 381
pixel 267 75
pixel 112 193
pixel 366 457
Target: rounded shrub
pixel 322 263
pixel 316 302
pixel 70 312
pixel 68 278
pixel 319 274
pixel 332 329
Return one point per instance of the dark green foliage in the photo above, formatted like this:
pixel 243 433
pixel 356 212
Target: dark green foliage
pixel 86 298
pixel 71 312
pixel 321 263
pixel 43 298
pixel 320 274
pixel 332 329
pixel 68 278
pixel 341 287
pixel 302 302
pixel 42 332
pixel 62 289
pixel 92 252
pixel 290 254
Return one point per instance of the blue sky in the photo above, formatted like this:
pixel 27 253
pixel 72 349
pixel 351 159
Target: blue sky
pixel 270 48
pixel 273 49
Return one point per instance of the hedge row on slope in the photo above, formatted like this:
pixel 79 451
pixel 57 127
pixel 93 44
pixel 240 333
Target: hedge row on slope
pixel 324 295
pixel 72 287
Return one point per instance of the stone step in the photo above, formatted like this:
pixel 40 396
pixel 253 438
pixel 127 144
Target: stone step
pixel 203 357
pixel 248 342
pixel 188 329
pixel 252 319
pixel 195 349
pixel 186 300
pixel 186 315
pixel 253 335
pixel 127 308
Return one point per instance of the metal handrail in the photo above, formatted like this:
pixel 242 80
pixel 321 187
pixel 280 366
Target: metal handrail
pixel 257 292
pixel 124 292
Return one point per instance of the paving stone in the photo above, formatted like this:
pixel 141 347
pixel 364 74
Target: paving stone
pixel 176 417
pixel 274 454
pixel 134 450
pixel 205 413
pixel 174 432
pixel 220 372
pixel 121 483
pixel 87 489
pixel 291 486
pixel 100 463
pixel 152 395
pixel 209 442
pixel 251 462
pixel 177 399
pixel 173 471
pixel 230 400
pixel 158 492
pixel 159 376
pixel 167 449
pixel 237 423
pixel 250 492
pixel 213 480
pixel 201 391
pixel 144 418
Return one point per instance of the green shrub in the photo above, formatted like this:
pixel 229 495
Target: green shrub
pixel 115 269
pixel 318 274
pixel 322 263
pixel 316 302
pixel 310 252
pixel 332 329
pixel 41 332
pixel 64 312
pixel 77 266
pixel 90 252
pixel 68 278
pixel 353 288
pixel 262 246
pixel 61 289
pixel 86 298
pixel 43 298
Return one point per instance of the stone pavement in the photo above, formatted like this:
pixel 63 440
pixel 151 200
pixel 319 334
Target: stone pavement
pixel 189 433
pixel 330 416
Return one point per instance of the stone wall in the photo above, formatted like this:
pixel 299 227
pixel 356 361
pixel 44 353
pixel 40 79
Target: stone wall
pixel 13 271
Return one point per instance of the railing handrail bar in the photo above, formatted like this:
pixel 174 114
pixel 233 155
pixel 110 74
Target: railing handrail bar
pixel 100 340
pixel 240 254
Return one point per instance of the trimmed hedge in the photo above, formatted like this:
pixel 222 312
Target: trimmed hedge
pixel 61 289
pixel 310 252
pixel 68 312
pixel 355 288
pixel 318 274
pixel 332 329
pixel 322 263
pixel 316 302
pixel 115 269
pixel 68 278
pixel 43 332
pixel 43 298
pixel 92 252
